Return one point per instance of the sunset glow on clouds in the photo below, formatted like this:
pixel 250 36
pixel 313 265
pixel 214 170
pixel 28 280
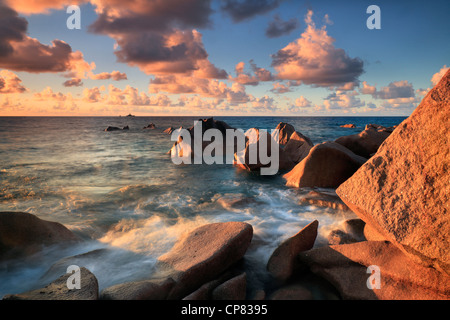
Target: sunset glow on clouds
pixel 218 57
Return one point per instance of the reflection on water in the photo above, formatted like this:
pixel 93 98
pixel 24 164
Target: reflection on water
pixel 121 192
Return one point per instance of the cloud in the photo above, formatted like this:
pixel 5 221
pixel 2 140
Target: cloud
pixel 278 27
pixel 240 10
pixel 40 6
pixel 19 52
pixel 75 82
pixel 314 60
pixel 395 90
pixel 368 89
pixel 246 78
pixel 210 88
pixel 342 100
pixel 10 82
pixel 158 37
pixel 115 75
pixel 263 104
pixel 438 75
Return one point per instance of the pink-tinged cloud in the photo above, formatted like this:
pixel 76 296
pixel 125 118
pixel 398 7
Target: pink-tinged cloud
pixel 247 78
pixel 438 75
pixel 40 6
pixel 341 100
pixel 10 83
pixel 158 37
pixel 210 88
pixel 74 82
pixel 395 90
pixel 19 52
pixel 115 75
pixel 314 60
pixel 368 89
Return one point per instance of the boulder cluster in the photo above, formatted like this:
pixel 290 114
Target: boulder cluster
pixel 396 180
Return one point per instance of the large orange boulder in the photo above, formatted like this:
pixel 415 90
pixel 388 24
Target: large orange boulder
pixel 403 191
pixel 327 165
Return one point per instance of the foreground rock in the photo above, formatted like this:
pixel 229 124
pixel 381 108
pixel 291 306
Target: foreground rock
pixel 403 191
pixel 345 266
pixel 58 289
pixel 282 262
pixel 367 142
pixel 203 254
pixel 327 165
pixel 24 234
pixel 138 290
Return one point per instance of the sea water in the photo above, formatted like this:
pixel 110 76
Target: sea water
pixel 121 192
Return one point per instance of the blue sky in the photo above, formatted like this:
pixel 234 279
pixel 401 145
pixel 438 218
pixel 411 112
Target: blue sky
pixel 390 68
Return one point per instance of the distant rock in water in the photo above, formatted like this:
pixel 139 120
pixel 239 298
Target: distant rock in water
pixel 117 128
pixel 349 125
pixel 150 126
pixel 23 234
pixel 169 130
pixel 403 191
pixel 327 165
pixel 367 142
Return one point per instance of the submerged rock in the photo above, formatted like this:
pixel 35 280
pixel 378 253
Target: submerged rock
pixel 151 126
pixel 24 234
pixel 327 165
pixel 403 191
pixel 348 125
pixel 324 199
pixel 203 254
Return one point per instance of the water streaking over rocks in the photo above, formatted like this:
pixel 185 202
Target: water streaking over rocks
pixel 119 192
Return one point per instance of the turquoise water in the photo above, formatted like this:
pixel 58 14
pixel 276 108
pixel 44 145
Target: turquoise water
pixel 121 191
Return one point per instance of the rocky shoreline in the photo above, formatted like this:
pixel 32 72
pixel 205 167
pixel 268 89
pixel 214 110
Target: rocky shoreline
pixel 396 180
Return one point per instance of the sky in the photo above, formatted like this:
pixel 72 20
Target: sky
pixel 220 57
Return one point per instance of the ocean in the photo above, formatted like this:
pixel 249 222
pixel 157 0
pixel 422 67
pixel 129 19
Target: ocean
pixel 120 191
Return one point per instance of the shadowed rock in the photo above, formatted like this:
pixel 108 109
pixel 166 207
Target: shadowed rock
pixel 138 290
pixel 24 234
pixel 298 147
pixel 58 289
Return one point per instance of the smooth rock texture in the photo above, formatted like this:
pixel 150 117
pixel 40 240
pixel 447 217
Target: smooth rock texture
pixel 138 290
pixel 58 290
pixel 282 262
pixel 297 147
pixel 403 191
pixel 327 165
pixel 203 254
pixel 346 268
pixel 23 233
pixel 232 289
pixel 285 132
